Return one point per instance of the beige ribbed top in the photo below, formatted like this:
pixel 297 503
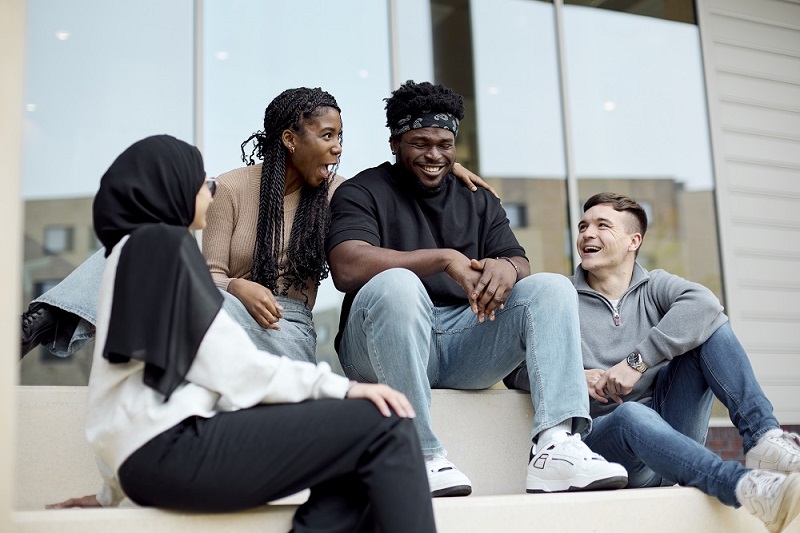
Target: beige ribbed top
pixel 229 239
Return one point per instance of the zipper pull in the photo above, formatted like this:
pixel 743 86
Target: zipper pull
pixel 616 317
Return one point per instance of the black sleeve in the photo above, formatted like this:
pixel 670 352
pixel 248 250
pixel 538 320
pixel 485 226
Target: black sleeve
pixel 500 240
pixel 354 216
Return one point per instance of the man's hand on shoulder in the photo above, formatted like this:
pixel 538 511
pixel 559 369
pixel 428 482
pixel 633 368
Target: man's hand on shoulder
pixel 498 277
pixel 618 381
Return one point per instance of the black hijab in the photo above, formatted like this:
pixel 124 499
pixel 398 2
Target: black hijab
pixel 164 298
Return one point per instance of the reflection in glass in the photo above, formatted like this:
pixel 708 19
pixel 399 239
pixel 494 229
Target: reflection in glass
pixel 98 76
pixel 677 10
pixel 520 138
pixel 640 127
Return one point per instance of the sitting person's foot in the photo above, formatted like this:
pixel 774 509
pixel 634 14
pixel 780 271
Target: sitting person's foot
pixel 773 497
pixel 567 464
pixel 776 450
pixel 445 479
pixel 38 326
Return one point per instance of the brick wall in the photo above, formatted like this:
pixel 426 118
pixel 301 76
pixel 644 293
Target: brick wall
pixel 727 443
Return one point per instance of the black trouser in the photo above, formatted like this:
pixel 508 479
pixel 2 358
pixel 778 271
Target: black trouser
pixel 365 471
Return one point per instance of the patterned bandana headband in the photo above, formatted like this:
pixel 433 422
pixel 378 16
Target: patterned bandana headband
pixel 426 119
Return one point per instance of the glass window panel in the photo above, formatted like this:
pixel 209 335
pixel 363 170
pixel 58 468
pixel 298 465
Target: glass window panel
pixel 640 127
pixel 517 90
pixel 677 10
pixel 98 76
pixel 519 129
pixel 57 239
pixel 254 50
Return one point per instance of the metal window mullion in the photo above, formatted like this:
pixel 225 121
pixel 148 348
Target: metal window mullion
pixel 197 93
pixel 573 199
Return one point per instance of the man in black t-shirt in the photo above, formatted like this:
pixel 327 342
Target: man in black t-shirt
pixel 439 295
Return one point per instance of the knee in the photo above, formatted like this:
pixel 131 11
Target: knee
pixel 548 289
pixel 633 414
pixel 396 288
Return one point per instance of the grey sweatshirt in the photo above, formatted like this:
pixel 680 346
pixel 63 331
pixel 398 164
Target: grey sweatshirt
pixel 661 315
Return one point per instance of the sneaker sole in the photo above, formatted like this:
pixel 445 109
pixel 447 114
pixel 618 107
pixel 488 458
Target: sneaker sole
pixel 790 506
pixel 447 492
pixel 610 483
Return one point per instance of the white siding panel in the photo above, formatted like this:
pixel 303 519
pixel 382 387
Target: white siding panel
pixel 765 297
pixel 772 207
pixel 751 57
pixel 764 268
pixel 756 177
pixel 754 231
pixel 772 149
pixel 776 34
pixel 784 399
pixel 774 92
pixel 767 120
pixel 772 10
pixel 734 57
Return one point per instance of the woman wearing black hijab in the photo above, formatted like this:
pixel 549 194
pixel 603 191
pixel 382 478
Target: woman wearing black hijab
pixel 185 413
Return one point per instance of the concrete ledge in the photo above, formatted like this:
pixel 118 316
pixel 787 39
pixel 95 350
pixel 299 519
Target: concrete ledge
pixel 486 432
pixel 652 510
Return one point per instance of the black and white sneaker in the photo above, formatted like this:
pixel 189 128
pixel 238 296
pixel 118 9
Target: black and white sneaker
pixel 567 464
pixel 445 479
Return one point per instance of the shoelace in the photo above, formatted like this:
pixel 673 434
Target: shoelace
pixel 789 441
pixel 574 442
pixel 762 484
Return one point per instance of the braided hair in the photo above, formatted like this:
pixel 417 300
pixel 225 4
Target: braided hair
pixel 291 109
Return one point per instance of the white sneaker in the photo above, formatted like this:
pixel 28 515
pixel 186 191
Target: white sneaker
pixel 776 452
pixel 567 464
pixel 773 497
pixel 445 479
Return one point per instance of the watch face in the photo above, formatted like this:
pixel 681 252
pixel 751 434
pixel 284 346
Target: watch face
pixel 635 361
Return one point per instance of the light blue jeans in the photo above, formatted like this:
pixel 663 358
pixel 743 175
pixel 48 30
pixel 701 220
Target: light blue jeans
pixel 395 335
pixel 78 293
pixel 661 443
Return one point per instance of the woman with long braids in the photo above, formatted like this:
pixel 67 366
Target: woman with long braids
pixel 264 243
pixel 185 413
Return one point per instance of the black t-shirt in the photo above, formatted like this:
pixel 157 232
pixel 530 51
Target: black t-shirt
pixel 384 207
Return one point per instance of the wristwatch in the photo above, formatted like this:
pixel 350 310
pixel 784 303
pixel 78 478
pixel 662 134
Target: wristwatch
pixel 635 362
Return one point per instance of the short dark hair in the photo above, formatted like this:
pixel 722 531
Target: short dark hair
pixel 623 204
pixel 413 98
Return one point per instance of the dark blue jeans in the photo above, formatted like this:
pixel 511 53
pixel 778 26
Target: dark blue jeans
pixel 661 443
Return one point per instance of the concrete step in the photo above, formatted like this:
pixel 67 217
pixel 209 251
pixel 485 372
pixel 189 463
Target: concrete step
pixel 486 432
pixel 655 510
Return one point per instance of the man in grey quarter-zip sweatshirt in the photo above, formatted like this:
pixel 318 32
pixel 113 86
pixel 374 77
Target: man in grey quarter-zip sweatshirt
pixel 656 349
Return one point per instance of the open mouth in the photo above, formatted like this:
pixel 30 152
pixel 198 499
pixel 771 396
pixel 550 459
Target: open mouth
pixel 591 249
pixel 431 169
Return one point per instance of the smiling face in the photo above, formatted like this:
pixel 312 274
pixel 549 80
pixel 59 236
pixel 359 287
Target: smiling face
pixel 607 239
pixel 313 151
pixel 427 153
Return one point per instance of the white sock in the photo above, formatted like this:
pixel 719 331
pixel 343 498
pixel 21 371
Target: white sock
pixel 547 435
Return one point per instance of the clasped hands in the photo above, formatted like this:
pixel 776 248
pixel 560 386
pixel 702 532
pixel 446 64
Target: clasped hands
pixel 487 282
pixel 613 383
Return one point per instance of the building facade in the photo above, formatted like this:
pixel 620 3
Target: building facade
pixel 692 108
